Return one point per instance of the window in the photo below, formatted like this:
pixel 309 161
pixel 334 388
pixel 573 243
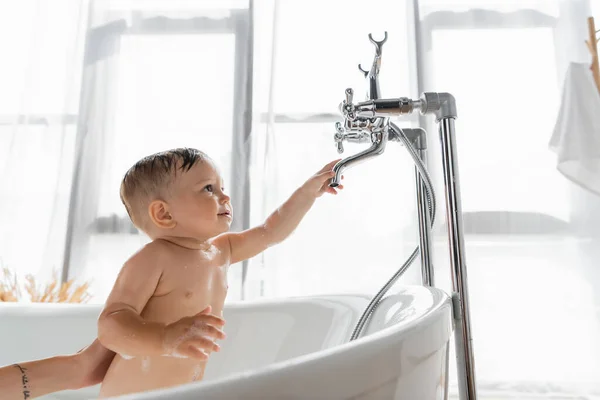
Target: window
pixel 516 125
pixel 374 224
pixel 38 113
pixel 160 81
pixel 168 97
pixel 513 115
pixel 501 67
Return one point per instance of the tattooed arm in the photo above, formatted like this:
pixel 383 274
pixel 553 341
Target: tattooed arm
pixel 36 378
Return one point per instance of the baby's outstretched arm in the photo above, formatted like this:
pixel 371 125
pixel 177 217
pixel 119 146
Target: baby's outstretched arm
pixel 284 220
pixel 122 329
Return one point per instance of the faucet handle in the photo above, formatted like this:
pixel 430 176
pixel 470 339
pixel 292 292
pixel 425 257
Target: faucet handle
pixel 346 107
pixel 349 95
pixel 352 133
pixel 338 137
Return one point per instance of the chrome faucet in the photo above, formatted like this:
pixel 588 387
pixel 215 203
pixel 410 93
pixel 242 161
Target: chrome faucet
pixel 369 122
pixel 361 129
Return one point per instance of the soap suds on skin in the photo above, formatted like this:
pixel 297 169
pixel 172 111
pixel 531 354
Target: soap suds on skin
pixel 197 373
pixel 194 332
pixel 211 252
pixel 145 364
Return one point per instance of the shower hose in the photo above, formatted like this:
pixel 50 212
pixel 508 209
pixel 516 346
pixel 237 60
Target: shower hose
pixel 430 195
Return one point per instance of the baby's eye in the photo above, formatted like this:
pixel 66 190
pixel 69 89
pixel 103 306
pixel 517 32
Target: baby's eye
pixel 208 188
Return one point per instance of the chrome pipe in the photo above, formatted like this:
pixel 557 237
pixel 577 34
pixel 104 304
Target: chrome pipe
pixel 427 273
pixel 460 295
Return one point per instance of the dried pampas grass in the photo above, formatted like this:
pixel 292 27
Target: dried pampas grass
pixel 53 292
pixel 9 287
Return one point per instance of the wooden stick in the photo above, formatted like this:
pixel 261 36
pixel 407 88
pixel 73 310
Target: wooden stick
pixel 592 44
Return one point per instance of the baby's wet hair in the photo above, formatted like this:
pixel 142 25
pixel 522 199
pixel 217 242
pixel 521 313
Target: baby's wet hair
pixel 150 178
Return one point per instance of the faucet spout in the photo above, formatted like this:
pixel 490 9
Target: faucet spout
pixel 376 149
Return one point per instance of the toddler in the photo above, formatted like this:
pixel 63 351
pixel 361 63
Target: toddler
pixel 163 316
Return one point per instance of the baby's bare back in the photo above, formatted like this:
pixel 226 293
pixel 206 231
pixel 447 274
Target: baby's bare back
pixel 192 281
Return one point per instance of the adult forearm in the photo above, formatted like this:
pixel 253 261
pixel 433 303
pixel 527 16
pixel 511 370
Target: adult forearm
pixel 36 378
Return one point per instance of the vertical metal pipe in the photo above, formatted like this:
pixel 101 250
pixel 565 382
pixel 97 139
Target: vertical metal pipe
pixel 460 295
pixel 424 216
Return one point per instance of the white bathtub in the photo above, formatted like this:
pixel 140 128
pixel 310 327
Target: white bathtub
pixel 286 349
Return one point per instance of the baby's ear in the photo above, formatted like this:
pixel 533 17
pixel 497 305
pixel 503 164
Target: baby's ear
pixel 159 214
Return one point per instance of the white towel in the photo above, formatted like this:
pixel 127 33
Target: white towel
pixel 576 136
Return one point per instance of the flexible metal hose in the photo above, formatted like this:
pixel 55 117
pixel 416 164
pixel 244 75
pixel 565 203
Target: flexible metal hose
pixel 430 195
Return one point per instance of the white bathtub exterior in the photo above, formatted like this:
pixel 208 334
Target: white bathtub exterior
pixel 282 349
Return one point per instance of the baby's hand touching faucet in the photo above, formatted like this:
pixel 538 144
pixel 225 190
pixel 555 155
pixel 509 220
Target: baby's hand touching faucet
pixel 194 337
pixel 318 184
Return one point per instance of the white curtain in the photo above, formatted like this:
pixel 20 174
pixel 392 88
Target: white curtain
pixel 41 45
pixel 90 87
pixel 157 75
pixel 530 249
pixel 308 66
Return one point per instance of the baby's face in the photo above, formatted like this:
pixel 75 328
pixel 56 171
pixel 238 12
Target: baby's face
pixel 198 202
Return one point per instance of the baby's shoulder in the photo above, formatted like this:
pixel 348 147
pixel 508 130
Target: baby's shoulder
pixel 150 254
pixel 145 264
